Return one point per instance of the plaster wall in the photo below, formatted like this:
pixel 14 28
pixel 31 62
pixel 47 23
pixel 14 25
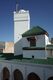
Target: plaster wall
pixel 18 48
pixel 21 24
pixel 48 72
pixel 38 54
pixel 43 71
pixel 47 40
pixel 40 41
pixel 25 42
pixel 49 52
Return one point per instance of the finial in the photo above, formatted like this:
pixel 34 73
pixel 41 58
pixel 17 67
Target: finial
pixel 17 6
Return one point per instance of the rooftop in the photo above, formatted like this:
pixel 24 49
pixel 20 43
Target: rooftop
pixel 11 57
pixel 37 30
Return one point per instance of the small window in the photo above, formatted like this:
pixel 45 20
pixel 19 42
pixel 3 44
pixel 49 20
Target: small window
pixel 33 56
pixel 32 41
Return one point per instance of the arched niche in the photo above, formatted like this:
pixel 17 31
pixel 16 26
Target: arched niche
pixel 33 76
pixel 6 74
pixel 18 75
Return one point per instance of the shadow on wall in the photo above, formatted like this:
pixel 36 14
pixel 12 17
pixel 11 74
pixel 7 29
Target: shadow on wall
pixel 18 47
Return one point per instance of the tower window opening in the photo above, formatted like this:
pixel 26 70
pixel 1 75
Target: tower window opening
pixel 32 41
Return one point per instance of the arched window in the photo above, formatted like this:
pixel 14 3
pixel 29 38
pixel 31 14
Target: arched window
pixel 18 75
pixel 50 78
pixel 33 76
pixel 6 74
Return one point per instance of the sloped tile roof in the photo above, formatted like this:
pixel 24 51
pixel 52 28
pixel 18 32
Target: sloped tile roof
pixel 35 31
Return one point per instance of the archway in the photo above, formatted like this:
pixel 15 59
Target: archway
pixel 18 75
pixel 6 73
pixel 51 78
pixel 33 76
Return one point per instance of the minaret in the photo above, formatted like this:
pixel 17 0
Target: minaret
pixel 21 25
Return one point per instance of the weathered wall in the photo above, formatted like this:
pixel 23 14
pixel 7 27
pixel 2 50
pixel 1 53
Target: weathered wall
pixel 9 47
pixel 43 71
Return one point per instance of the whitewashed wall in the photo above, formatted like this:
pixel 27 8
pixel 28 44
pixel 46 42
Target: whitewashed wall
pixel 21 23
pixel 18 48
pixel 25 42
pixel 47 40
pixel 49 52
pixel 48 72
pixel 35 69
pixel 43 71
pixel 40 42
pixel 38 54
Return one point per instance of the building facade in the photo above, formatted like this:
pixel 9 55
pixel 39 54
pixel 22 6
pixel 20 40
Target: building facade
pixel 13 70
pixel 36 44
pixel 36 59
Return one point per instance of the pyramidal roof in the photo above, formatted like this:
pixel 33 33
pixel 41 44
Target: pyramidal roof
pixel 35 31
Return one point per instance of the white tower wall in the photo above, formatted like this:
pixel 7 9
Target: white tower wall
pixel 21 25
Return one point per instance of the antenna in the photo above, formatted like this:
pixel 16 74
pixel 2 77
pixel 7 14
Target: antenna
pixel 17 7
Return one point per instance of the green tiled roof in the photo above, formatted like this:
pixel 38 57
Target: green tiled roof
pixel 34 31
pixel 49 47
pixel 48 61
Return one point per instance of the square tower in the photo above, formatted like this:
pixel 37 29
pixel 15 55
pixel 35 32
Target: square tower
pixel 21 25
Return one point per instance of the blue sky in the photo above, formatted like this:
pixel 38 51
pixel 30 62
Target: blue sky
pixel 41 13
